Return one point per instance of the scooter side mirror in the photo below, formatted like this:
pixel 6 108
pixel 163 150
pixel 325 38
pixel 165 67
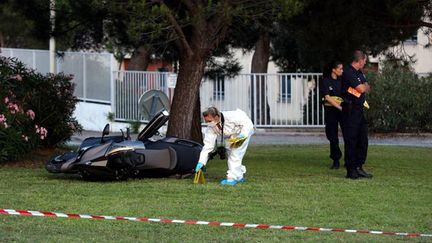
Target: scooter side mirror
pixel 128 137
pixel 105 132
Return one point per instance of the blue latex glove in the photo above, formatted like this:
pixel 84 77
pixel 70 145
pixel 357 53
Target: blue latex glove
pixel 199 166
pixel 241 136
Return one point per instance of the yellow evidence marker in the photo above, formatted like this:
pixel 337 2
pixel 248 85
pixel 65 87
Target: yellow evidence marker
pixel 199 177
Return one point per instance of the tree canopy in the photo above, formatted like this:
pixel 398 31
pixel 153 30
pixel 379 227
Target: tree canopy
pixel 18 29
pixel 192 30
pixel 328 30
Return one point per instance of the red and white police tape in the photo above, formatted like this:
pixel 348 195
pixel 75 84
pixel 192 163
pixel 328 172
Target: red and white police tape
pixel 213 223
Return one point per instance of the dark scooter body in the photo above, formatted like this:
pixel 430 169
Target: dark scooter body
pixel 118 157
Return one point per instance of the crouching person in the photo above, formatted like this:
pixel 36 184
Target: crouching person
pixel 235 129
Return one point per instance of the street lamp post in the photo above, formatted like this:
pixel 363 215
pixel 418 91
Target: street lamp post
pixel 52 54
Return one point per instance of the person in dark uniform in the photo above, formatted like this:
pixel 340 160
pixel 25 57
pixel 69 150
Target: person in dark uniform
pixel 331 91
pixel 354 126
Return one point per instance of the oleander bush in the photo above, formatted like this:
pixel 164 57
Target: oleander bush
pixel 35 110
pixel 400 100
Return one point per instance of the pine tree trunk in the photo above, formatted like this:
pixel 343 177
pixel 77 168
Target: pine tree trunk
pixel 195 49
pixel 196 132
pixel 2 44
pixel 260 62
pixel 185 110
pixel 140 59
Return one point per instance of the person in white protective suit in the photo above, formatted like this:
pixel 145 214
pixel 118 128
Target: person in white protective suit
pixel 235 128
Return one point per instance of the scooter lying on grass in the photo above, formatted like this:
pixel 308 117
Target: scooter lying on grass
pixel 119 157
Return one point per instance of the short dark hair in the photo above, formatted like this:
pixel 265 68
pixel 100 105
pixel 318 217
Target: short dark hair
pixel 358 55
pixel 213 111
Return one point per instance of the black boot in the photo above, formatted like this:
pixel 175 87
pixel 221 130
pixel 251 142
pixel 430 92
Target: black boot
pixel 335 165
pixel 363 173
pixel 352 174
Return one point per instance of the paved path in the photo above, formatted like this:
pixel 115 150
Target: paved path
pixel 314 137
pixel 419 140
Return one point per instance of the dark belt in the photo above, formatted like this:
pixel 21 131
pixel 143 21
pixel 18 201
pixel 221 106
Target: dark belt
pixel 347 107
pixel 350 104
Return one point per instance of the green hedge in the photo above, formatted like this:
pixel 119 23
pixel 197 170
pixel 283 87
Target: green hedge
pixel 35 110
pixel 400 101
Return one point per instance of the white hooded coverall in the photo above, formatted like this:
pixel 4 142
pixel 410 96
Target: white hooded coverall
pixel 235 123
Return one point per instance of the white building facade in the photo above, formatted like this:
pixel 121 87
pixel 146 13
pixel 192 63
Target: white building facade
pixel 418 47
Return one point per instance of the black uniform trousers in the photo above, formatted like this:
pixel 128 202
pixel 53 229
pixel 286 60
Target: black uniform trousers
pixel 333 118
pixel 355 134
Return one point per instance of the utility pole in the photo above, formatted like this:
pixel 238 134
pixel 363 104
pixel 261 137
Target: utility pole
pixel 52 48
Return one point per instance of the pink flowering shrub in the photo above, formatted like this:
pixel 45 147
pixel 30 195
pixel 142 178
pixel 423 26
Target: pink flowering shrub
pixel 35 110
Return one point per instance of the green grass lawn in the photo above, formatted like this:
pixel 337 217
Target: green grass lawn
pixel 286 185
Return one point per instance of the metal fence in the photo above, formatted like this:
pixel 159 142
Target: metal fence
pixel 92 71
pixel 129 86
pixel 271 100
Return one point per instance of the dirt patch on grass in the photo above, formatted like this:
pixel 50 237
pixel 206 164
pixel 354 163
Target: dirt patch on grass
pixel 37 159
